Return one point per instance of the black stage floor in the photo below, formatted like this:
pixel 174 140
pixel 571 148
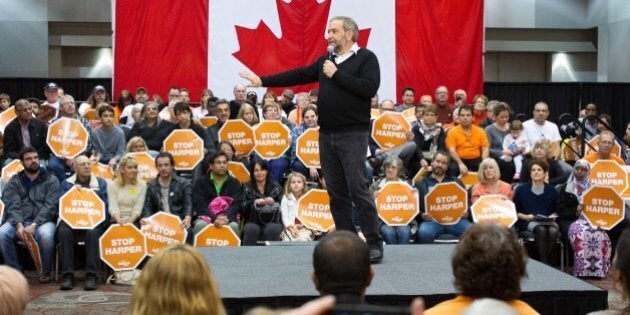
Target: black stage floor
pixel 279 276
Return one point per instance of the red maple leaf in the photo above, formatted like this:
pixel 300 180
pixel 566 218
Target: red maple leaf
pixel 303 24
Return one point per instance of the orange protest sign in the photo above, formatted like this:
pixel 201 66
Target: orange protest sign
pixel 122 247
pixel 67 138
pixel 91 115
pixel 409 114
pixel 81 209
pixel 603 207
pixel 421 173
pixel 495 209
pixel 239 171
pixel 208 121
pixel 374 113
pixel 240 135
pixel 470 179
pixel 446 203
pixel 273 138
pixel 11 169
pixel 569 149
pixel 390 130
pixel 46 112
pixel 212 236
pixel 314 210
pixel 608 173
pixel 33 249
pixel 163 229
pixel 186 147
pixel 6 117
pixel 146 166
pixel 616 150
pixel 397 203
pixel 102 170
pixel 307 148
pixel 626 193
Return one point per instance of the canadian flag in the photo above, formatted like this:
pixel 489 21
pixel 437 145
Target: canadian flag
pixel 200 44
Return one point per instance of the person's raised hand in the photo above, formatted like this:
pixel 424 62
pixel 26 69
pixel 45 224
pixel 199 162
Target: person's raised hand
pixel 254 80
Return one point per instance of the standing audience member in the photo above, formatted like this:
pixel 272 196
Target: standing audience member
pixel 108 140
pixel 467 144
pixel 14 292
pixel 490 182
pixel 178 280
pixel 497 132
pixel 126 193
pixel 261 206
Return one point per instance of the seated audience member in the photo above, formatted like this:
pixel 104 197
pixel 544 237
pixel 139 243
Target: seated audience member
pixel 136 144
pixel 591 247
pixel 515 146
pixel 626 149
pixel 228 148
pixel 14 141
pixel 31 205
pixel 491 117
pixel 490 182
pixel 392 168
pixel 151 128
pixel 309 120
pixel 467 144
pixel 98 97
pixel 535 203
pixel 621 274
pixel 184 119
pixel 303 101
pixel 430 229
pixel 169 193
pixel 67 237
pixel 294 230
pixel 248 114
pixel 605 144
pixel 131 115
pixel 480 109
pixel 108 140
pixel 212 132
pixel 5 101
pixel 488 262
pixel 14 292
pixel 590 121
pixel 178 280
pixel 126 193
pixel 408 97
pixel 497 132
pixel 444 108
pixel 539 128
pixel 542 151
pixel 217 183
pixel 202 110
pixel 124 99
pixel 50 107
pixel 277 167
pixel 428 136
pixel 34 105
pixel 261 206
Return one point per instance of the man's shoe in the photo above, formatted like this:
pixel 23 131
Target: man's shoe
pixel 90 282
pixel 44 277
pixel 376 254
pixel 67 283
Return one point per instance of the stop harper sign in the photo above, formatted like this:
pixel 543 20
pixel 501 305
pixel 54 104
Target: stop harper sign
pixel 161 230
pixel 122 247
pixel 314 210
pixel 212 236
pixel 397 203
pixel 81 208
pixel 446 203
pixel 67 138
pixel 603 207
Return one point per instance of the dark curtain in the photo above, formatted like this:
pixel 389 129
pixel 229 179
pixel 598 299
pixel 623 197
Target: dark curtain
pixel 610 98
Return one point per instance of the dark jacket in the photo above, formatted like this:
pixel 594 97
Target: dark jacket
pixel 211 140
pixel 38 203
pixel 425 145
pixel 179 198
pixel 567 203
pixel 557 175
pixel 424 186
pixel 97 184
pixel 204 193
pixel 272 189
pixel 13 138
pixel 153 135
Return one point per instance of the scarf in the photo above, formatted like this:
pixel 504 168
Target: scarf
pixel 579 186
pixel 430 132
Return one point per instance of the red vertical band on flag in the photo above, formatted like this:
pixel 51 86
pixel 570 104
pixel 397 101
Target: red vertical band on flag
pixel 160 44
pixel 439 42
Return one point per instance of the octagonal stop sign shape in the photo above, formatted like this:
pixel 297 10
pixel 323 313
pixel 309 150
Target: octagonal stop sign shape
pixel 446 203
pixel 186 147
pixel 67 138
pixel 208 121
pixel 162 230
pixel 495 209
pixel 81 208
pixel 240 134
pixel 239 171
pixel 390 129
pixel 212 236
pixel 607 173
pixel 314 210
pixel 469 179
pixel 122 247
pixel 6 117
pixel 273 138
pixel 603 207
pixel 11 169
pixel 146 166
pixel 397 203
pixel 307 148
pixel 102 170
pixel 1 211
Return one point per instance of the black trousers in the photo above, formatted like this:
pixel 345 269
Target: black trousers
pixel 68 238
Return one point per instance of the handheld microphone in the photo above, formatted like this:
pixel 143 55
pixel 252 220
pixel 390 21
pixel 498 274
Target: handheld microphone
pixel 331 49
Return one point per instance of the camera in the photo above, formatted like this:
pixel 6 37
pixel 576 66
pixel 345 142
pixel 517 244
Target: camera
pixel 571 129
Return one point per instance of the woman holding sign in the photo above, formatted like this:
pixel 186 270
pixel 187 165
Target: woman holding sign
pixel 591 247
pixel 490 182
pixel 535 203
pixel 126 193
pixel 261 208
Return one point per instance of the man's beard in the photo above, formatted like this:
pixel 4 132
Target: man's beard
pixel 32 169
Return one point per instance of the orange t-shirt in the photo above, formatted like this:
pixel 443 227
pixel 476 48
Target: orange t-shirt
pixel 467 144
pixel 459 304
pixel 592 157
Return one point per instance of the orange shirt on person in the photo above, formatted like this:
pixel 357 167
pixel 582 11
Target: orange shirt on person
pixel 459 304
pixel 592 157
pixel 480 189
pixel 478 118
pixel 295 116
pixel 467 144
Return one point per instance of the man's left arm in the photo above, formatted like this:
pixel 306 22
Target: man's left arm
pixel 49 210
pixel 367 83
pixel 485 144
pixel 187 197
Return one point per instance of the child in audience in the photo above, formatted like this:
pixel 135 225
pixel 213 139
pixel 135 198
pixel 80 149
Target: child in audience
pixel 518 145
pixel 294 188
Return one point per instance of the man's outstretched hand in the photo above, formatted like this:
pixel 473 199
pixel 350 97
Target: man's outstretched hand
pixel 254 80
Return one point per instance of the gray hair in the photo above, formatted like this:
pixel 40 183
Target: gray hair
pixel 348 25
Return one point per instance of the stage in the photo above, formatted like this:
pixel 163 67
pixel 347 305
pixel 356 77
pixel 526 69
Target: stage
pixel 279 276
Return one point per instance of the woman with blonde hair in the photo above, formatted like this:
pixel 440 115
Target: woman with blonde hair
pixel 125 194
pixel 490 182
pixel 176 281
pixel 248 114
pixel 14 292
pixel 136 144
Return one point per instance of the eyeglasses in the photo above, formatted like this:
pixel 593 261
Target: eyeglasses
pixel 154 109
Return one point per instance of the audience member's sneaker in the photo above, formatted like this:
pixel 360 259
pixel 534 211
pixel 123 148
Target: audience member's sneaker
pixel 376 254
pixel 90 282
pixel 67 283
pixel 44 277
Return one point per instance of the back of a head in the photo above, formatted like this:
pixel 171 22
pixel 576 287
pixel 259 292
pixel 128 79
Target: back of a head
pixel 176 281
pixel 14 294
pixel 489 307
pixel 341 262
pixel 489 263
pixel 621 263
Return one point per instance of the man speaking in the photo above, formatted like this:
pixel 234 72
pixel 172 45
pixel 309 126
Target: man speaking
pixel 348 78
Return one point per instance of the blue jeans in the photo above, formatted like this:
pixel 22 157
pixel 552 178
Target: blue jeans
pixel 342 156
pixel 59 167
pixel 44 236
pixel 277 167
pixel 429 230
pixel 395 234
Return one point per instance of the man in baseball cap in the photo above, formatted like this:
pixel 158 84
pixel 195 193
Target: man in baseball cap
pixel 50 108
